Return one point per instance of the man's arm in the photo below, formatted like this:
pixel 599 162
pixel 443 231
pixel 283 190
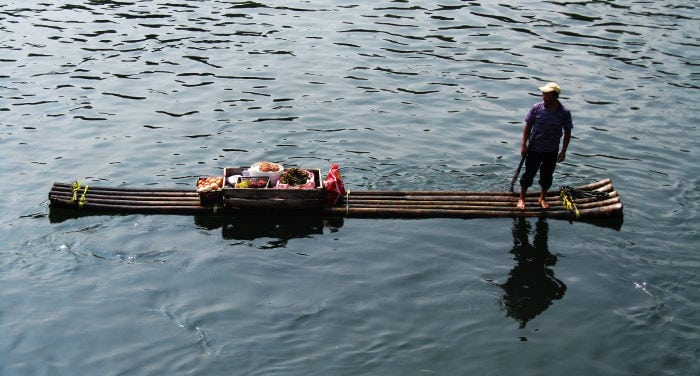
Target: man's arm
pixel 565 145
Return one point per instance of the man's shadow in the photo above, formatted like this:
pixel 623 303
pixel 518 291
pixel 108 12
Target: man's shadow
pixel 531 286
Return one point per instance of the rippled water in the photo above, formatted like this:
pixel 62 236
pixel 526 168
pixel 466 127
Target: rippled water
pixel 403 95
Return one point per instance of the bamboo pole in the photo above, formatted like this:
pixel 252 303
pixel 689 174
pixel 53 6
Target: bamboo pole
pixel 429 193
pixel 135 199
pixel 126 192
pixel 58 185
pixel 136 202
pixel 482 198
pixel 602 185
pixel 127 208
pixel 430 213
pixel 429 203
pixel 604 212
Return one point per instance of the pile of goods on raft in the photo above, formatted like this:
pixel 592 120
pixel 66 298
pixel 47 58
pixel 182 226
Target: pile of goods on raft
pixel 265 183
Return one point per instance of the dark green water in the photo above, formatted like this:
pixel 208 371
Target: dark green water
pixel 402 95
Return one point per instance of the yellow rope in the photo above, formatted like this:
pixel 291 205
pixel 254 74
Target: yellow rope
pixel 568 202
pixel 82 198
pixel 76 187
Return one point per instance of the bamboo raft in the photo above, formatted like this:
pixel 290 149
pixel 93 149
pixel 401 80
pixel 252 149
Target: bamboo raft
pixel 358 204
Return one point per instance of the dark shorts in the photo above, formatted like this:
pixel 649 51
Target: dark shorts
pixel 542 162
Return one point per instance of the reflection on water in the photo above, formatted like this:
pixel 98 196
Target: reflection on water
pixel 532 285
pixel 279 228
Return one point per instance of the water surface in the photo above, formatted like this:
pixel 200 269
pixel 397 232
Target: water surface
pixel 403 95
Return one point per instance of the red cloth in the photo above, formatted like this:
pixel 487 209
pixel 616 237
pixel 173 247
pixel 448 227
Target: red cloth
pixel 334 185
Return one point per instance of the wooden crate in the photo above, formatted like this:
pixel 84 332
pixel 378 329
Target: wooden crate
pixel 210 198
pixel 273 199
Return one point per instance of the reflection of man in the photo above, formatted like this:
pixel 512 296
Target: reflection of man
pixel 531 286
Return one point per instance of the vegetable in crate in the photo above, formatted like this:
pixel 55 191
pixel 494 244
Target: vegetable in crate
pixel 294 176
pixel 251 183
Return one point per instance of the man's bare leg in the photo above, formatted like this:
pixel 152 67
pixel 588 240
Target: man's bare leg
pixel 543 200
pixel 521 200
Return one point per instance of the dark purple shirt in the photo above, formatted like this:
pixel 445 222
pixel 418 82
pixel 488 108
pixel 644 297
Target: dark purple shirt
pixel 547 127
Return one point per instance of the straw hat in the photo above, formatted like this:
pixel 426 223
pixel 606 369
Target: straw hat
pixel 550 87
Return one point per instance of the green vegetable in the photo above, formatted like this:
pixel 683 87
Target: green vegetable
pixel 294 176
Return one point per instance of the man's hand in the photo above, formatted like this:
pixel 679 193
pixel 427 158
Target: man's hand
pixel 561 157
pixel 523 151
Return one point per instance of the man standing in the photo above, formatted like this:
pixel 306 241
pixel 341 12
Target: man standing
pixel 544 126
